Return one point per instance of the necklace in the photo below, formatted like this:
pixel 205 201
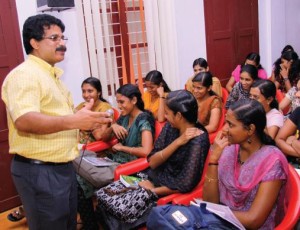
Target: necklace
pixel 239 159
pixel 239 155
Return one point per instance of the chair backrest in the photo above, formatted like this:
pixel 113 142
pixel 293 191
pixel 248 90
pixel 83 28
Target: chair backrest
pixel 279 96
pixel 292 212
pixel 116 114
pixel 224 95
pixel 158 128
pixel 201 183
pixel 213 135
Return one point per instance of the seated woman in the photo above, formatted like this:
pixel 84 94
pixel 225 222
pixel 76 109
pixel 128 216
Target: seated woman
pixel 209 104
pixel 92 89
pixel 157 90
pixel 251 59
pixel 292 98
pixel 242 88
pixel 287 138
pixel 246 171
pixel 288 72
pixel 264 91
pixel 277 63
pixel 178 157
pixel 201 65
pixel 135 131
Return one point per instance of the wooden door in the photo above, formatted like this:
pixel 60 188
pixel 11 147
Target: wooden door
pixel 10 56
pixel 231 33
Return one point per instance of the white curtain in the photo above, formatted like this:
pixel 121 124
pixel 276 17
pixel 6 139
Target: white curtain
pixel 162 39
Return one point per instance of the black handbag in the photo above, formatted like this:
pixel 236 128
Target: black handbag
pixel 126 204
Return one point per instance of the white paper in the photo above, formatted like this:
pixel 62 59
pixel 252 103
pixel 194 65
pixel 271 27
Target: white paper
pixel 99 161
pixel 220 210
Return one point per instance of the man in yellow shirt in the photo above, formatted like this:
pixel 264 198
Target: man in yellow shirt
pixel 43 128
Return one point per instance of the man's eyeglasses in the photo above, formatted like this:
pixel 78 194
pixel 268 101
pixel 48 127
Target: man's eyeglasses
pixel 57 38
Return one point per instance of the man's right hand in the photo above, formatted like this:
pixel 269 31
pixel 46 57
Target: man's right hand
pixel 89 120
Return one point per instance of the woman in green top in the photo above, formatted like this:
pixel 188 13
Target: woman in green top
pixel 135 127
pixel 135 131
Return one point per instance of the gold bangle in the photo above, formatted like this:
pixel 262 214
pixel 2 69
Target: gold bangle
pixel 161 155
pixel 211 179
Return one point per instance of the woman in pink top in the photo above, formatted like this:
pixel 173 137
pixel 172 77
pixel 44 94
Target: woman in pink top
pixel 251 59
pixel 246 172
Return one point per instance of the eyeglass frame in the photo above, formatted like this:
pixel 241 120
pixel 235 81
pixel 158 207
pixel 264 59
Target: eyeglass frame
pixel 56 38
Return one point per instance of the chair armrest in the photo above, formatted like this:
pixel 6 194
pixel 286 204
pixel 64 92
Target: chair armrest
pixel 98 146
pixel 167 199
pixel 131 167
pixel 186 198
pixel 212 136
pixel 292 214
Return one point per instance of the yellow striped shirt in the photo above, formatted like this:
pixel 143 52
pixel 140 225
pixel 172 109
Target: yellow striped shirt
pixel 34 86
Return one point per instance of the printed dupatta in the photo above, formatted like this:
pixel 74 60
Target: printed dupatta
pixel 246 176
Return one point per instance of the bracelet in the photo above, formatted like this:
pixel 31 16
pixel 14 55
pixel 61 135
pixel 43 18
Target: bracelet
pixel 211 179
pixel 163 97
pixel 161 155
pixel 213 163
pixel 286 79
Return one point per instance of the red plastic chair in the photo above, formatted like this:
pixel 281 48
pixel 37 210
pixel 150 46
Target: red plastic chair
pixel 279 96
pixel 213 135
pixel 292 196
pixel 142 163
pixel 116 114
pixel 225 95
pixel 98 146
pixel 158 128
pixel 292 212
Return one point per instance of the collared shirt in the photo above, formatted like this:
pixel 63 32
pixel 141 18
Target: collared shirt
pixel 34 86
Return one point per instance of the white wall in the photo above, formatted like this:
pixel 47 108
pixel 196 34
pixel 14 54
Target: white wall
pixel 74 65
pixel 292 28
pixel 279 25
pixel 191 41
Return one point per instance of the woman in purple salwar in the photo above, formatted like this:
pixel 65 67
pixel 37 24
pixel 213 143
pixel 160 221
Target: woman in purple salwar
pixel 246 171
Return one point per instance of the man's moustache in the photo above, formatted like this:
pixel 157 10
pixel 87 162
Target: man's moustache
pixel 61 48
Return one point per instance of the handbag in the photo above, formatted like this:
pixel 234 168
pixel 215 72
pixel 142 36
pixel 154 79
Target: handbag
pixel 125 203
pixel 97 176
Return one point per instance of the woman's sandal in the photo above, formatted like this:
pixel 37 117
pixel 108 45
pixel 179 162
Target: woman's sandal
pixel 16 215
